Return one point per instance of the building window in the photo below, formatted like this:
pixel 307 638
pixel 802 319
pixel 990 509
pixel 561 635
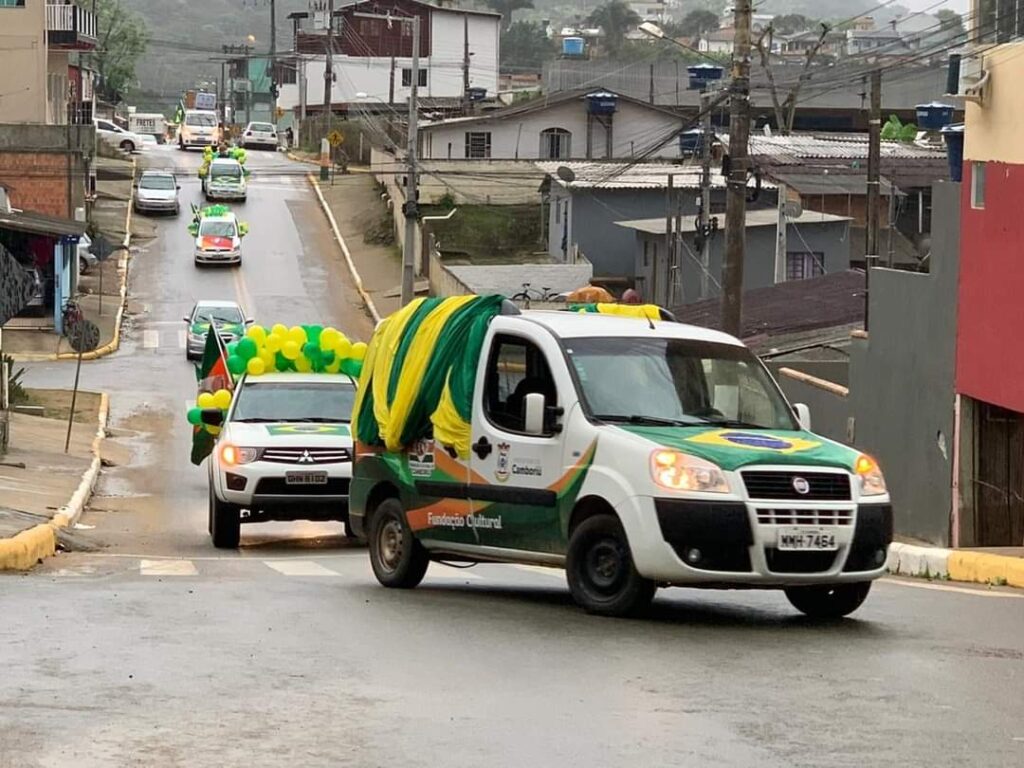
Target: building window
pixel 407 78
pixel 802 265
pixel 478 145
pixel 555 144
pixel 12 3
pixel 978 185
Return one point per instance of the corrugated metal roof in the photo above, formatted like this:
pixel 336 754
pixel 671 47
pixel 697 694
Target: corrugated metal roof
pixel 760 218
pixel 825 182
pixel 794 149
pixel 634 175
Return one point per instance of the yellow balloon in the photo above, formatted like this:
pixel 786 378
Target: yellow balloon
pixel 290 350
pixel 213 430
pixel 358 350
pixel 334 366
pixel 258 334
pixel 273 342
pixel 343 348
pixel 297 334
pixel 222 399
pixel 205 400
pixel 256 366
pixel 280 329
pixel 269 361
pixel 329 337
pixel 302 364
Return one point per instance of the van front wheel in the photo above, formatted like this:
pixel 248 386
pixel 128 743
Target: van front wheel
pixel 828 601
pixel 397 558
pixel 600 570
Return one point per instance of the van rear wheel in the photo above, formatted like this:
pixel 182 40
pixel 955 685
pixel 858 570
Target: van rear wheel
pixel 397 558
pixel 600 571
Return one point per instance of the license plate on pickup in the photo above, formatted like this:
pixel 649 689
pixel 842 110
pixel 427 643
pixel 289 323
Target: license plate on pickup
pixel 305 478
pixel 806 540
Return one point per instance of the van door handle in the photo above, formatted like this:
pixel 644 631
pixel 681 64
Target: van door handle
pixel 482 448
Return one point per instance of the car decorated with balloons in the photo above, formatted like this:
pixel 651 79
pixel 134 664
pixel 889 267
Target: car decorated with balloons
pixel 218 235
pixel 273 415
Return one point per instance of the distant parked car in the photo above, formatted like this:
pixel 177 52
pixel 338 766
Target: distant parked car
pixel 259 135
pixel 116 136
pixel 157 192
pixel 86 259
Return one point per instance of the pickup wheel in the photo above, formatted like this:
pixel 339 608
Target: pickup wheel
pixel 828 601
pixel 600 570
pixel 398 559
pixel 225 523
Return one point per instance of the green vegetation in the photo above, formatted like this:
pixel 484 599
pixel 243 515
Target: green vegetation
pixel 483 234
pixel 616 18
pixel 524 44
pixel 507 7
pixel 122 40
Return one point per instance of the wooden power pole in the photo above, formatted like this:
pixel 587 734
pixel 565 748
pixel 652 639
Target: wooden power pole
pixel 736 192
pixel 874 161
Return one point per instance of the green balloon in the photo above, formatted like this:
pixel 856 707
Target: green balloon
pixel 348 366
pixel 236 365
pixel 246 349
pixel 232 348
pixel 313 333
pixel 357 369
pixel 195 416
pixel 311 350
pixel 327 357
pixel 282 363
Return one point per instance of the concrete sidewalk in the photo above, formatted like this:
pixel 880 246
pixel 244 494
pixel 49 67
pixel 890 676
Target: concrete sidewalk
pixel 42 488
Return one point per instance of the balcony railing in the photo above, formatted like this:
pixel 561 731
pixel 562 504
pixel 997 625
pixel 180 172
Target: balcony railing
pixel 69 26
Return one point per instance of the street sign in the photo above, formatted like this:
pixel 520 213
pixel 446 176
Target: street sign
pixel 83 335
pixel 335 138
pixel 101 248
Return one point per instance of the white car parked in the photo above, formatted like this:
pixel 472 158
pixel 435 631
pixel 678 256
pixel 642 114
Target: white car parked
pixel 259 135
pixel 284 452
pixel 116 136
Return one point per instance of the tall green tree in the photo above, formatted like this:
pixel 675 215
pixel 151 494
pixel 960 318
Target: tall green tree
pixel 790 23
pixel 122 40
pixel 616 18
pixel 524 44
pixel 507 7
pixel 697 22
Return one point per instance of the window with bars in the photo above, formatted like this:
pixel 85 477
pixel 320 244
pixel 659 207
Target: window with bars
pixel 801 265
pixel 478 145
pixel 998 21
pixel 407 78
pixel 555 144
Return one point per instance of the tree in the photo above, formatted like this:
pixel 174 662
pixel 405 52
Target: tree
pixel 507 7
pixel 790 23
pixel 697 22
pixel 524 44
pixel 951 23
pixel 122 39
pixel 616 18
pixel 785 108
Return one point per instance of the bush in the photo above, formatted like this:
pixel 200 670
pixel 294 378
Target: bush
pixel 16 392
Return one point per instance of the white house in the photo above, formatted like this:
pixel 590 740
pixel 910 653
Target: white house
pixel 717 41
pixel 569 125
pixel 372 61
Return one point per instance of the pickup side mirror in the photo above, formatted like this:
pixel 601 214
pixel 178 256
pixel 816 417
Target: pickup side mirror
pixel 249 321
pixel 533 414
pixel 803 415
pixel 212 417
pixel 187 319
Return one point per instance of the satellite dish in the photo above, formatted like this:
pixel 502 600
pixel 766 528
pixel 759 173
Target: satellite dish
pixel 566 174
pixel 792 209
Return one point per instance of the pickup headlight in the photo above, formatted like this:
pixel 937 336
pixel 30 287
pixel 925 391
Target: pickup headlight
pixel 872 482
pixel 233 455
pixel 681 472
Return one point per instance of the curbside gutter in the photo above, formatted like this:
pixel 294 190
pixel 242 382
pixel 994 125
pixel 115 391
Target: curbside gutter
pixel 955 565
pixel 367 300
pixel 23 551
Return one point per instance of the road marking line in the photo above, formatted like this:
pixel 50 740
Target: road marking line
pixel 167 568
pixel 981 592
pixel 558 573
pixel 151 339
pixel 299 568
pixel 244 299
pixel 182 339
pixel 155 323
pixel 448 573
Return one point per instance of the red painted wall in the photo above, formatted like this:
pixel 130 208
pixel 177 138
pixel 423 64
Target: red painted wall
pixel 990 334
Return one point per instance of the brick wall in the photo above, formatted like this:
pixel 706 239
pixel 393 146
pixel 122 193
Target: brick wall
pixel 37 181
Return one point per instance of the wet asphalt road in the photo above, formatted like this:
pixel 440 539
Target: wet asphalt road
pixel 148 647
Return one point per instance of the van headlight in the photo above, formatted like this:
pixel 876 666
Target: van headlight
pixel 682 472
pixel 872 482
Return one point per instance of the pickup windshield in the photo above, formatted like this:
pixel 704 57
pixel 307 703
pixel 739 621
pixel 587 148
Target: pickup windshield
pixel 277 401
pixel 225 171
pixel 676 382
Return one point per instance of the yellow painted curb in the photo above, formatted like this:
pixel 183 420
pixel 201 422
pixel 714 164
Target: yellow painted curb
pixel 122 267
pixel 344 249
pixel 983 568
pixel 22 551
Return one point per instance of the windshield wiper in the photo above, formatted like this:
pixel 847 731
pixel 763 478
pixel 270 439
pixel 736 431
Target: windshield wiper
pixel 316 420
pixel 257 420
pixel 736 423
pixel 637 418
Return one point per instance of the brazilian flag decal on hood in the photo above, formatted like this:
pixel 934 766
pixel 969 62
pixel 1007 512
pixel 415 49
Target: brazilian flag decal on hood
pixel 202 327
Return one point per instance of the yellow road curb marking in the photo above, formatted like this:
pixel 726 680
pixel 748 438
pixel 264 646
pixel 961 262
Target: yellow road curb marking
pixel 984 568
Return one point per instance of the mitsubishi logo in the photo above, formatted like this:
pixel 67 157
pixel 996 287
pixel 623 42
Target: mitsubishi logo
pixel 801 486
pixel 305 458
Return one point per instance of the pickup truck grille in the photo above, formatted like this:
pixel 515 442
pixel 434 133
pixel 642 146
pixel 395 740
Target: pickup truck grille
pixel 307 456
pixel 820 486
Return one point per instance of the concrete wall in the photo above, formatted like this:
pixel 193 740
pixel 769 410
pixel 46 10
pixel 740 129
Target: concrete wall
pixel 901 378
pixel 636 129
pixel 23 71
pixel 442 281
pixel 993 128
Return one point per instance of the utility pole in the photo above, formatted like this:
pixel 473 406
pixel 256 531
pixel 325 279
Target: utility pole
pixel 670 242
pixel 329 66
pixel 705 194
pixel 411 212
pixel 465 62
pixel 874 160
pixel 391 83
pixel 736 191
pixel 780 237
pixel 273 33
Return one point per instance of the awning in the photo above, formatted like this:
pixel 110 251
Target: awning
pixel 41 224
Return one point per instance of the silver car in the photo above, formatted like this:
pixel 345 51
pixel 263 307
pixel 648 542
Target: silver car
pixel 259 135
pixel 157 192
pixel 228 318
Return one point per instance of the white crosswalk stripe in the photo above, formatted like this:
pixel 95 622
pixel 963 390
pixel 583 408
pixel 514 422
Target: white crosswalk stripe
pixel 167 568
pixel 151 339
pixel 182 339
pixel 299 568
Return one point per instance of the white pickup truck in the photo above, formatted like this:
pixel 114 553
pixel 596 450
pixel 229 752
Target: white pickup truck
pixel 284 452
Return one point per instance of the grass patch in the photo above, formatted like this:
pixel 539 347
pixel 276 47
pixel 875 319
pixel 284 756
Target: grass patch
pixel 488 234
pixel 56 404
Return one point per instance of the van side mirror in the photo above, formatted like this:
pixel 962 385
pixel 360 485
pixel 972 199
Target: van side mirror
pixel 803 415
pixel 212 417
pixel 533 414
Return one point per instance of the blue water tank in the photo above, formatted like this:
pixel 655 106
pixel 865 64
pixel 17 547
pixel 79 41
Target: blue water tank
pixel 954 136
pixel 602 103
pixel 572 46
pixel 934 116
pixel 701 75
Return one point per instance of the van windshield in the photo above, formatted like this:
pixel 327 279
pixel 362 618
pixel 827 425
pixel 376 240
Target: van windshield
pixel 198 118
pixel 676 382
pixel 328 402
